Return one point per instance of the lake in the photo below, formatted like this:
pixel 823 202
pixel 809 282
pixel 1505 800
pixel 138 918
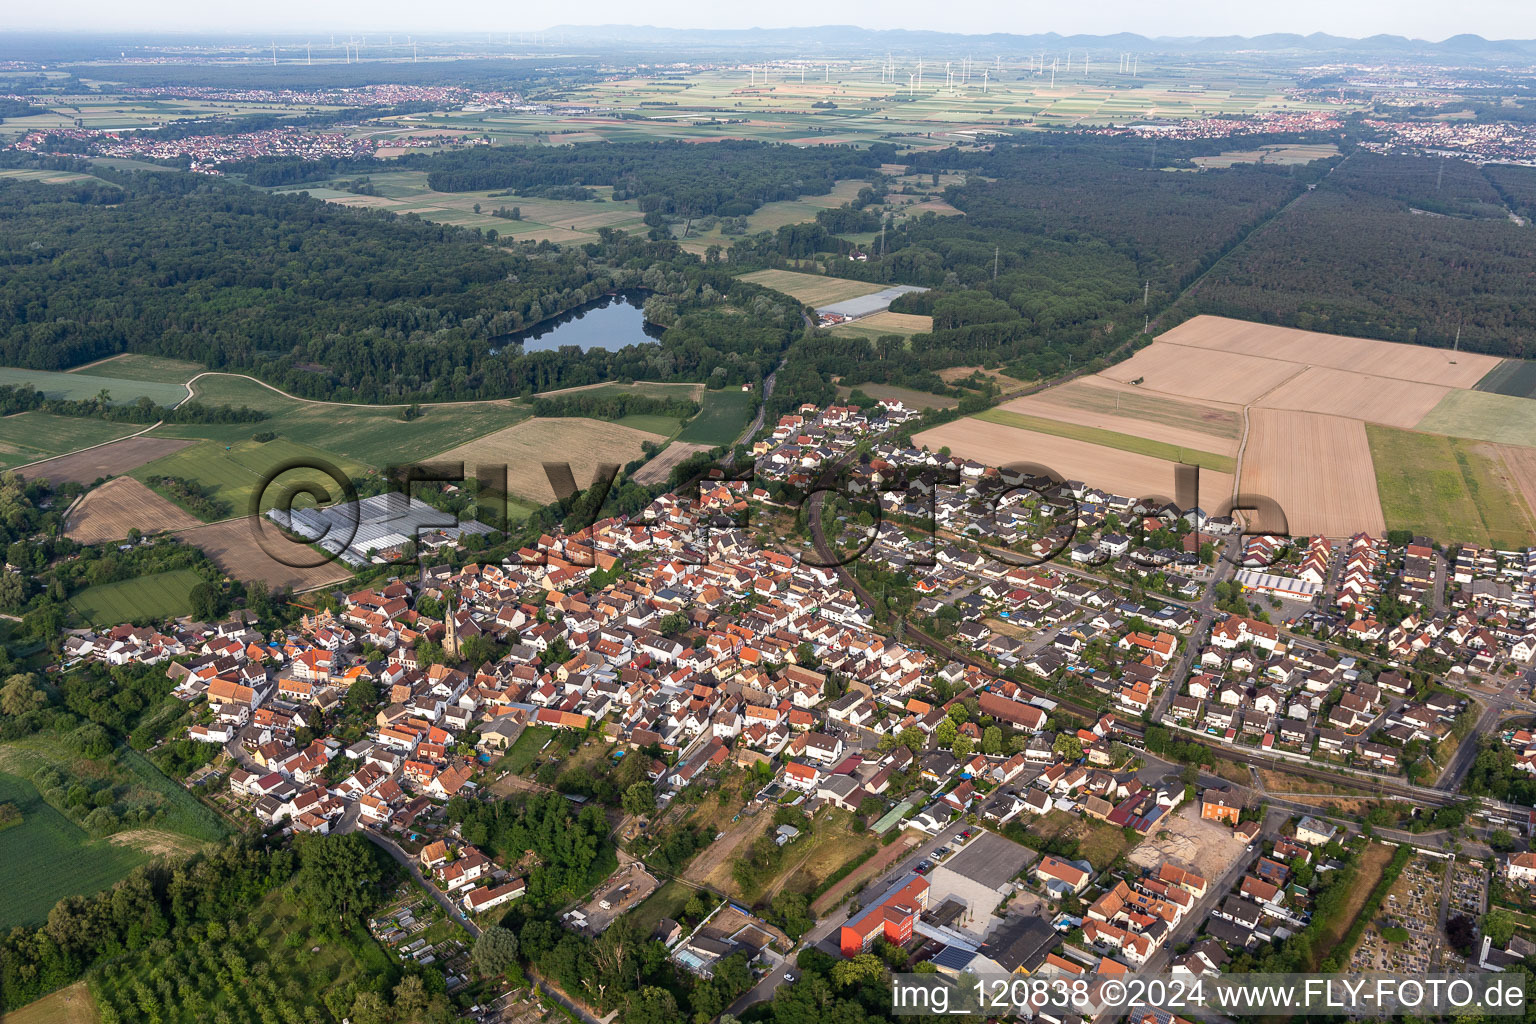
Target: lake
pixel 609 323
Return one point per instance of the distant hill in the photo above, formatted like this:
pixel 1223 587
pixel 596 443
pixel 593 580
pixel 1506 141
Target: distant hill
pixel 850 38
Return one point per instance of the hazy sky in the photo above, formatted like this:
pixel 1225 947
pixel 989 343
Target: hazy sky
pixel 1419 18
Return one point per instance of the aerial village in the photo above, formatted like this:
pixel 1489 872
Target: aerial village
pixel 994 745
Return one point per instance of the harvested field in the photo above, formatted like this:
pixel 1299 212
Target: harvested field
pixel 234 549
pixel 1107 404
pixel 1112 439
pixel 525 447
pixel 1397 403
pixel 119 505
pixel 108 460
pixel 1206 847
pixel 657 470
pixel 811 289
pixel 1382 358
pixel 1201 373
pixel 1318 468
pixel 886 322
pixel 1126 473
pixel 1521 463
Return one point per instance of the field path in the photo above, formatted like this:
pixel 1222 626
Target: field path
pixel 90 447
pixel 1242 445
pixel 337 405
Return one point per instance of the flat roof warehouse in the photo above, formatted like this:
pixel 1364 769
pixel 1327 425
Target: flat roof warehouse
pixel 381 522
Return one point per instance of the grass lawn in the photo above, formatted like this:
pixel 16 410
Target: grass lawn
pixel 373 436
pixel 136 366
pixel 668 901
pixel 527 747
pixel 1372 864
pixel 70 1005
pixel 666 426
pixel 32 436
pixel 78 385
pixel 1111 439
pixel 910 397
pixel 36 852
pixel 812 289
pixel 725 415
pixel 1098 842
pixel 233 472
pixel 141 600
pixel 1446 488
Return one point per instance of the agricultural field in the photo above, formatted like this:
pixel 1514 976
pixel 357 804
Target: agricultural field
pixel 725 414
pixel 1100 402
pixel 372 435
pixel 1319 470
pixel 233 547
pixel 651 423
pixel 1378 399
pixel 1128 473
pixel 142 600
pixel 230 474
pixel 137 366
pixel 108 460
pixel 1482 415
pixel 122 390
pixel 45 176
pixel 554 220
pixel 108 512
pixel 811 289
pixel 1452 489
pixel 1361 355
pixel 878 325
pixel 1279 154
pixel 659 468
pixel 33 851
pixel 772 216
pixel 525 447
pixel 1516 377
pixel 29 437
pixel 1203 375
pixel 1111 439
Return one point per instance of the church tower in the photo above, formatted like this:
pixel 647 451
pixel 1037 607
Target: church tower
pixel 450 635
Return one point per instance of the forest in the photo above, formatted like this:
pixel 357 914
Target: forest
pixel 725 179
pixel 1405 249
pixel 347 305
pixel 1065 247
